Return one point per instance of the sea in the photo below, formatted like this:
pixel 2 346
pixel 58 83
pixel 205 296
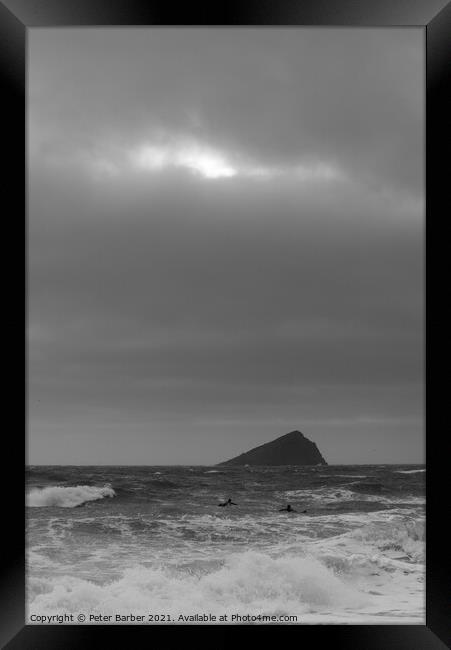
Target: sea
pixel 151 545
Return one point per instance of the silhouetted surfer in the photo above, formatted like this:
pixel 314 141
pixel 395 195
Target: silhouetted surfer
pixel 290 509
pixel 229 502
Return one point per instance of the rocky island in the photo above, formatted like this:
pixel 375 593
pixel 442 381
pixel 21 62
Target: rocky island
pixel 291 449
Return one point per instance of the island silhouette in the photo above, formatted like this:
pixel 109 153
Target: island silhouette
pixel 290 449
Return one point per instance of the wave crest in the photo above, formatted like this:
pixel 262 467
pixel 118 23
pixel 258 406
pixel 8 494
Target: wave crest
pixel 410 471
pixel 67 497
pixel 398 534
pixel 248 583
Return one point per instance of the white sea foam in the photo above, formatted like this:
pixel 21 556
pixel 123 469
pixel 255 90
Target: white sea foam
pixel 247 583
pixel 353 573
pixel 396 534
pixel 409 471
pixel 66 497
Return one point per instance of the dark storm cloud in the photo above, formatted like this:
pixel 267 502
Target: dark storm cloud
pixel 172 311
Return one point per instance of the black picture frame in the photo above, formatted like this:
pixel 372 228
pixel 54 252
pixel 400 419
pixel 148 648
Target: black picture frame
pixel 434 17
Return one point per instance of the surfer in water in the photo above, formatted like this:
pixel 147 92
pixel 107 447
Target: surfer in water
pixel 290 509
pixel 287 509
pixel 229 502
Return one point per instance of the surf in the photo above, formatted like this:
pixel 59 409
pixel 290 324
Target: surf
pixel 66 497
pixel 250 582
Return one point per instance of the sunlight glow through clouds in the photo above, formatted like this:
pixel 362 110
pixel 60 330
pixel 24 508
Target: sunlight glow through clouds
pixel 212 164
pixel 196 158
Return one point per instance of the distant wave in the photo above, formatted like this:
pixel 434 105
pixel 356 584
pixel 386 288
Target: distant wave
pixel 409 471
pixel 344 475
pixel 66 497
pixel 358 492
pixel 46 474
pixel 368 487
pixel 161 483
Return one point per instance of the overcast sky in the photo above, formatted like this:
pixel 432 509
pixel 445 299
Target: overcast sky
pixel 225 243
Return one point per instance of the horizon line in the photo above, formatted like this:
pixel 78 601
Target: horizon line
pixel 202 465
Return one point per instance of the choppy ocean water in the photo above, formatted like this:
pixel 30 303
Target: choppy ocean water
pixel 152 540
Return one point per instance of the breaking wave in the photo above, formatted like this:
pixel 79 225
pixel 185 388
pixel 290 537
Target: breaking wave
pixel 407 537
pixel 410 471
pixel 66 497
pixel 247 583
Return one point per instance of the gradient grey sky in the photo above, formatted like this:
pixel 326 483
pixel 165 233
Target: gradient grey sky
pixel 225 243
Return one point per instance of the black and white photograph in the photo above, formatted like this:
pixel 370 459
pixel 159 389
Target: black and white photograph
pixel 225 326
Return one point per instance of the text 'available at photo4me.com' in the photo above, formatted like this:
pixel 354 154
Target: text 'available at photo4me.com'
pixel 161 618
